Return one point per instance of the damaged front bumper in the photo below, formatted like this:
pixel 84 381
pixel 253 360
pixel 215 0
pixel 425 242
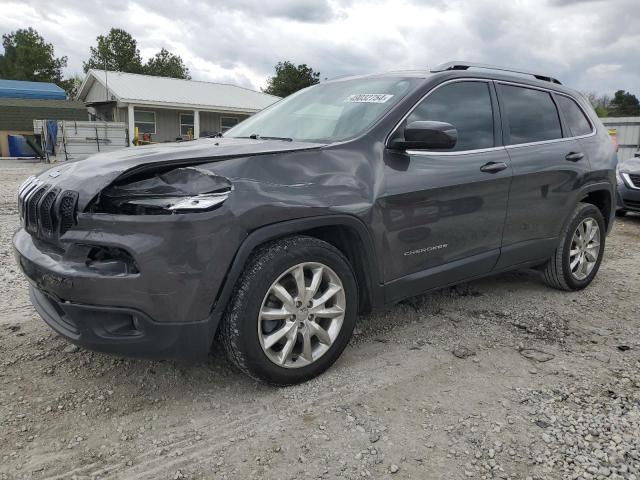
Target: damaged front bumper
pixel 123 331
pixel 150 291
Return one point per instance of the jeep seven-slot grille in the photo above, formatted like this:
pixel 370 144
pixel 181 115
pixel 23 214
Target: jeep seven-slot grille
pixel 635 179
pixel 46 212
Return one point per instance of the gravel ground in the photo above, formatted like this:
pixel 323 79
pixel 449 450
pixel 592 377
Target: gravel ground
pixel 499 378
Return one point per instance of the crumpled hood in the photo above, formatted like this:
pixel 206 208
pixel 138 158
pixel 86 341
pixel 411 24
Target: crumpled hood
pixel 89 176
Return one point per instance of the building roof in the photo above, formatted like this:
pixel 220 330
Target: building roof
pixel 172 92
pixel 19 113
pixel 22 89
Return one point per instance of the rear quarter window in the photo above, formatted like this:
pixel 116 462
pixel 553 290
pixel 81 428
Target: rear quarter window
pixel 531 115
pixel 574 116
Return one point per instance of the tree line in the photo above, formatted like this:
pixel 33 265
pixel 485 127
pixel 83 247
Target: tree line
pixel 28 56
pixel 622 104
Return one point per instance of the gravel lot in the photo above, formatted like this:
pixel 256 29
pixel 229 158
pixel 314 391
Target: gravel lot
pixel 499 378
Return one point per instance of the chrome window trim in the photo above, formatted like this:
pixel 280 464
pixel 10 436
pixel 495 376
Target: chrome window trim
pixel 629 182
pixel 430 153
pixel 481 150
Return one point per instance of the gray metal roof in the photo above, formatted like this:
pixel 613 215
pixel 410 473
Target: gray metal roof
pixel 173 92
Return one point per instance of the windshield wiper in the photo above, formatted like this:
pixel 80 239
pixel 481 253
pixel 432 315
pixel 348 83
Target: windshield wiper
pixel 257 136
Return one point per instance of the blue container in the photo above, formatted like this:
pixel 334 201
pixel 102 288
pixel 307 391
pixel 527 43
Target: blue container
pixel 18 147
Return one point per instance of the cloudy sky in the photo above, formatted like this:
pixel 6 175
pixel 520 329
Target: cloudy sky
pixel 591 45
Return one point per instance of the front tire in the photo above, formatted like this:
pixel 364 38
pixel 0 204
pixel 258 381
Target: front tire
pixel 293 311
pixel 579 254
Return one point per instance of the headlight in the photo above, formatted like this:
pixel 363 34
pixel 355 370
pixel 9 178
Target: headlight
pixel 619 176
pixel 184 189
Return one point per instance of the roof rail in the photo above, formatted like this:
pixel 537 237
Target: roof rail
pixel 466 65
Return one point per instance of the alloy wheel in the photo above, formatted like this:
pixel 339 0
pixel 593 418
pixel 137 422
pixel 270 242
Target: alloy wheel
pixel 585 248
pixel 301 315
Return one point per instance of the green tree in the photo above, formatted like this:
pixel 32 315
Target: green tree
pixel 600 103
pixel 166 64
pixel 624 104
pixel 28 57
pixel 117 51
pixel 72 85
pixel 289 79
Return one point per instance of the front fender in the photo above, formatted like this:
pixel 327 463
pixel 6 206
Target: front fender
pixel 370 280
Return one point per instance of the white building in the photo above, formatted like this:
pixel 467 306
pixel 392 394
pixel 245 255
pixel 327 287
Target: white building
pixel 168 108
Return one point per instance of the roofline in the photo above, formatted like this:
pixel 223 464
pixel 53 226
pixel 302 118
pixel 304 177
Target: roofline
pixel 462 65
pixel 410 73
pixel 92 70
pixel 84 83
pixel 187 106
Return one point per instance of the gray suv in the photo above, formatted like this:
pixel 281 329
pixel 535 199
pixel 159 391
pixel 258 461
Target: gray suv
pixel 346 196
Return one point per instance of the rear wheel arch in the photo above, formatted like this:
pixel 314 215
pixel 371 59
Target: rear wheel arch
pixel 601 197
pixel 345 232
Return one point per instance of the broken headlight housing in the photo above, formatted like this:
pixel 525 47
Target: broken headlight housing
pixel 179 190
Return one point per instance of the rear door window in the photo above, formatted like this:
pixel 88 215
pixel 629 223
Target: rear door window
pixel 531 115
pixel 466 106
pixel 574 116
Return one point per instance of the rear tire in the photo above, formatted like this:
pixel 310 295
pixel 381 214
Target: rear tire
pixel 278 328
pixel 579 254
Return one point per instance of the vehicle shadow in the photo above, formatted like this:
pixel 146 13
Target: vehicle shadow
pixel 172 380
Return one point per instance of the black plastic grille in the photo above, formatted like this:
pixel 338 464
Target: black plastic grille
pixel 46 212
pixel 635 179
pixel 47 218
pixel 67 211
pixel 32 209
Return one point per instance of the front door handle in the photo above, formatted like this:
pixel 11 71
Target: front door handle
pixel 574 156
pixel 493 167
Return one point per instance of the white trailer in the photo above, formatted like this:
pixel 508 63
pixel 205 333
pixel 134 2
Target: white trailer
pixel 77 140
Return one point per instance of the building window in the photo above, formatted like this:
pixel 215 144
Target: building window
pixel 186 124
pixel 227 122
pixel 145 121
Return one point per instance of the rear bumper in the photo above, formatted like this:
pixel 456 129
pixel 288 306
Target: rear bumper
pixel 627 198
pixel 123 331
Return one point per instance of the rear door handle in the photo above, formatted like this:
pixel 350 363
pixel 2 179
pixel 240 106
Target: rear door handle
pixel 493 167
pixel 574 156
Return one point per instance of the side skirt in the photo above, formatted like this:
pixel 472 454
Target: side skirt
pixel 441 276
pixel 513 257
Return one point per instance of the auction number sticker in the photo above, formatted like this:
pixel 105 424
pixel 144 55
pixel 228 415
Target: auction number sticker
pixel 369 98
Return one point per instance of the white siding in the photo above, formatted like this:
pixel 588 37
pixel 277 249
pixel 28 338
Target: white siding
pixel 97 93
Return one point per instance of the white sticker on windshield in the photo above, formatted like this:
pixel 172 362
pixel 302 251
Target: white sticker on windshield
pixel 368 98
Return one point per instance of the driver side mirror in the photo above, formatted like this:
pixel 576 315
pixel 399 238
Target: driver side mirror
pixel 426 135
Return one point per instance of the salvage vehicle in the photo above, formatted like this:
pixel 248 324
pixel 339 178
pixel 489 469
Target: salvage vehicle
pixel 343 197
pixel 628 176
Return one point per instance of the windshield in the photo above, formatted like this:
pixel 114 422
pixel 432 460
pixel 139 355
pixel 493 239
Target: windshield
pixel 328 112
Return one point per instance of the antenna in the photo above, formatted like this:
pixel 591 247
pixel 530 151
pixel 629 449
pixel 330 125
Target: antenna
pixel 106 77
